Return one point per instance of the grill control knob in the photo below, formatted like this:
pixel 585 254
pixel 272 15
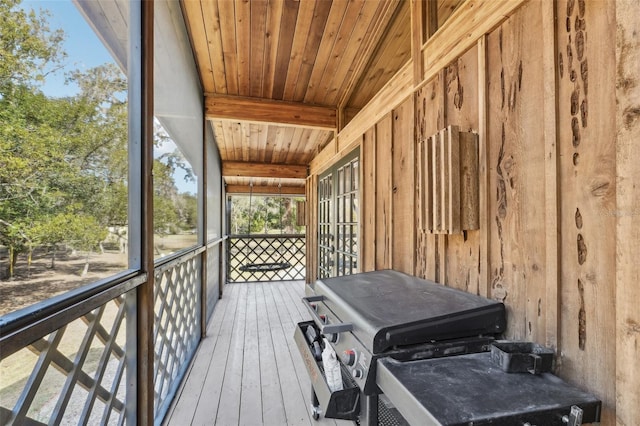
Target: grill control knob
pixel 356 373
pixel 349 357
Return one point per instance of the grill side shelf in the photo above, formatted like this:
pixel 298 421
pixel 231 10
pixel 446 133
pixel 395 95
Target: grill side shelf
pixel 343 404
pixel 470 389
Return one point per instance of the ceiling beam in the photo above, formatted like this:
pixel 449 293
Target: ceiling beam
pixel 247 169
pixel 263 189
pixel 259 110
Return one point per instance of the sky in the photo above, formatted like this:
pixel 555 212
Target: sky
pixel 84 51
pixel 83 47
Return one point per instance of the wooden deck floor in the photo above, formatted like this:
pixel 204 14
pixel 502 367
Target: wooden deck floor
pixel 241 375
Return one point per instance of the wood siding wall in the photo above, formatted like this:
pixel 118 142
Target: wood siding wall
pixel 558 183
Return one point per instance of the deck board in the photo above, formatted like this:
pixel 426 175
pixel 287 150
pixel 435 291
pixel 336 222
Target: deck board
pixel 241 375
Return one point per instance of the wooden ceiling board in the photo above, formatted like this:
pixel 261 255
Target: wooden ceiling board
pixel 258 46
pixel 316 33
pixel 300 44
pixel 227 15
pixel 274 17
pixel 245 140
pixel 366 48
pixel 198 35
pixel 213 42
pixel 394 51
pixel 297 142
pixel 446 9
pixel 345 52
pixel 331 30
pixel 285 42
pixel 243 45
pixel 306 51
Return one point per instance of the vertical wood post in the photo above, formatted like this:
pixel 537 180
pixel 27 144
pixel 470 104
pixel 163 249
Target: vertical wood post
pixel 483 164
pixel 145 353
pixel 552 201
pixel 627 212
pixel 202 232
pixel 417 39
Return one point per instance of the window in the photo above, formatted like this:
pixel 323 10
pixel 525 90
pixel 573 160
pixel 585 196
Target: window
pixel 178 134
pixel 63 149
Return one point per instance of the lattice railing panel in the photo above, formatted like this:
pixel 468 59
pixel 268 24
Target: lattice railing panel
pixel 258 258
pixel 176 326
pixel 75 375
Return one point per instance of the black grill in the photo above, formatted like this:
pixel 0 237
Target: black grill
pixel 394 332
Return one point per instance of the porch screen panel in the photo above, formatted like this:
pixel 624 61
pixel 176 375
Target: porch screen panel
pixel 214 219
pixel 178 135
pixel 178 200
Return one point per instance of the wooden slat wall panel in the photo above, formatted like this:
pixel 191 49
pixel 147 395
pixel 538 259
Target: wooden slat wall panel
pixel 215 58
pixel 403 188
pixel 429 118
pixel 587 170
pixel 628 232
pixel 516 152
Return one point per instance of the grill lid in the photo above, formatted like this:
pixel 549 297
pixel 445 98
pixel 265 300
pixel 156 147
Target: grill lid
pixel 389 308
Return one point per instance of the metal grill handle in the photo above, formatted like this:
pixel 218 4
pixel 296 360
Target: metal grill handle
pixel 324 328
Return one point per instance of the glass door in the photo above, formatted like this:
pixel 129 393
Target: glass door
pixel 338 216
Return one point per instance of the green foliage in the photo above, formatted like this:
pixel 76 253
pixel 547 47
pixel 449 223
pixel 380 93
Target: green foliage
pixel 28 47
pixel 267 214
pixel 64 161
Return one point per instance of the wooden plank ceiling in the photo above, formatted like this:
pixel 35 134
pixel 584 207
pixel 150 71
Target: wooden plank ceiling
pixel 277 73
pixel 281 77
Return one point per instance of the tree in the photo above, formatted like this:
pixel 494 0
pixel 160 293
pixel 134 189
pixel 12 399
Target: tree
pixel 28 47
pixel 29 50
pixel 63 161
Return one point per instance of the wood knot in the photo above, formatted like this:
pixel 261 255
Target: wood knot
pixel 631 115
pixel 582 250
pixel 578 219
pixel 600 188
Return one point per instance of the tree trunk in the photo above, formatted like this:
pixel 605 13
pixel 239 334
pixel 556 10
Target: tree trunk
pixel 12 262
pixel 29 259
pixel 287 216
pixel 53 258
pixel 85 270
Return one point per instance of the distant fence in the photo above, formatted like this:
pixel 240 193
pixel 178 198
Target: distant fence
pixel 263 257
